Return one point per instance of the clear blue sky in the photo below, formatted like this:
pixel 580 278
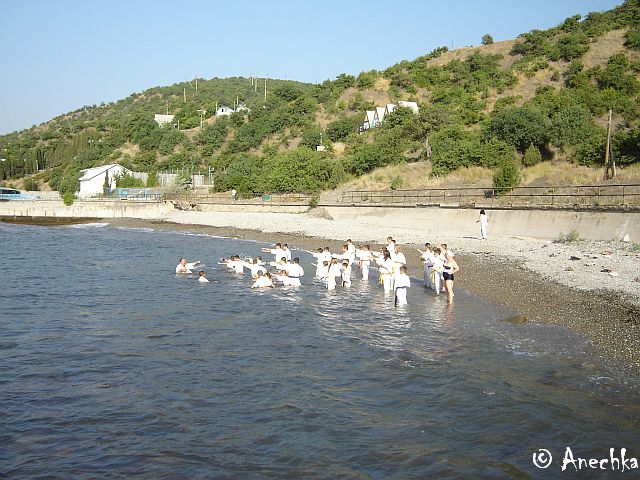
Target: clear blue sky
pixel 60 55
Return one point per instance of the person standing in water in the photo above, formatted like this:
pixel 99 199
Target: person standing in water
pixel 294 272
pixel 385 267
pixel 402 281
pixel 484 224
pixel 186 267
pixel 334 271
pixel 449 268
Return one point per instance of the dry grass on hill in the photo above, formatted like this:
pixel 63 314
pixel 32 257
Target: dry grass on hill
pixel 417 176
pixel 603 48
pixel 497 48
pixel 377 97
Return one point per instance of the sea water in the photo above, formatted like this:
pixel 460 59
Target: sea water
pixel 112 366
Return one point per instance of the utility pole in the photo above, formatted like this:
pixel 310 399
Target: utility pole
pixel 265 89
pixel 184 93
pixel 196 82
pixel 609 161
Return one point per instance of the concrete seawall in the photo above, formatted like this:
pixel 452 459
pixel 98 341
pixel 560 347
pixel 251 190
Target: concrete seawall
pixel 89 209
pixel 543 224
pixel 527 223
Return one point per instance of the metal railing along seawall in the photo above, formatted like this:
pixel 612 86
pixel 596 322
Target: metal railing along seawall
pixel 618 196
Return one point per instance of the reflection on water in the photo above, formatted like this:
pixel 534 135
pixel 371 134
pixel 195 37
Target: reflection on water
pixel 110 365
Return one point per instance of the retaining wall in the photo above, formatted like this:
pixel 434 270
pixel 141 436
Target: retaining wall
pixel 84 209
pixel 527 223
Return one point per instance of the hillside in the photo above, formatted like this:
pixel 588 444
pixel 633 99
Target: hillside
pixel 541 97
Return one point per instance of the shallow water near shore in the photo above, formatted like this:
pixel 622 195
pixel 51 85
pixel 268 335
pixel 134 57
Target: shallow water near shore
pixel 110 365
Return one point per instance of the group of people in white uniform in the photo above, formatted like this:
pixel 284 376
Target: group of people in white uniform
pixel 336 269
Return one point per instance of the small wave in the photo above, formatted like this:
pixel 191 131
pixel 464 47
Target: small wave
pixel 195 234
pixel 89 225
pixel 137 229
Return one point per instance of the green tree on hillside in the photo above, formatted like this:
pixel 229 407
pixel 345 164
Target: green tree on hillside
pixel 340 129
pixel 487 39
pixel 506 178
pixel 531 156
pixel 520 127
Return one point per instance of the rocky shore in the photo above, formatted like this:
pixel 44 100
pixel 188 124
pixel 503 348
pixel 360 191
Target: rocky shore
pixel 567 284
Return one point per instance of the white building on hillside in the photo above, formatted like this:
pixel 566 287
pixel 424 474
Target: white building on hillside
pixel 223 110
pixel 374 118
pixel 163 119
pixel 412 105
pixel 243 108
pixel 92 181
pixel 379 117
pixel 369 120
pixel 389 108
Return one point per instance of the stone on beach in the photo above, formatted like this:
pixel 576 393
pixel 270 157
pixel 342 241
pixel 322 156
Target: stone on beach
pixel 516 319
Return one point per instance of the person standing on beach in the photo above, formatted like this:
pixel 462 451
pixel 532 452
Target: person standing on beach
pixel 234 194
pixel 484 224
pixel 449 268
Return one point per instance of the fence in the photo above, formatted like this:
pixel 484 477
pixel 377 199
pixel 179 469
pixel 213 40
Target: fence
pixel 579 196
pixel 282 199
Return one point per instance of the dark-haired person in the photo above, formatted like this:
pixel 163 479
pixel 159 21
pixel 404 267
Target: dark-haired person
pixel 401 282
pixel 294 272
pixel 484 224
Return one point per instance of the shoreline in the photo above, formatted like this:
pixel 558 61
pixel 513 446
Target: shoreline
pixel 501 273
pixel 610 320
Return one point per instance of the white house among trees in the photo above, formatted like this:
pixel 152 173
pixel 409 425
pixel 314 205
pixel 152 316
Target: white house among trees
pixel 373 118
pixel 369 120
pixel 93 182
pixel 162 119
pixel 223 110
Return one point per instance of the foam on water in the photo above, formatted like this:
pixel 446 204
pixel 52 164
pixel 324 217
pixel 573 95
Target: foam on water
pixel 137 229
pixel 88 225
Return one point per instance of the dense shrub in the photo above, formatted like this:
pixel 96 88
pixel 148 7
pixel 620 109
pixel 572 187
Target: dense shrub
pixel 520 127
pixel 632 39
pixel 571 126
pixel 506 177
pixel 340 129
pixel 531 156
